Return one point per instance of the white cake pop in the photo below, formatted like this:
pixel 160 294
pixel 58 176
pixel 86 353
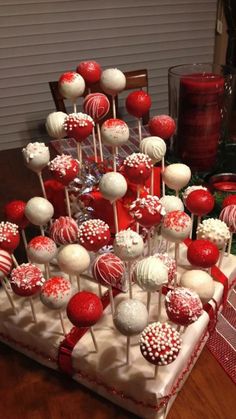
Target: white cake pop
pixel 73 259
pixel 112 81
pixel 41 249
pixel 214 230
pixel 115 132
pixel 128 245
pixel 190 189
pixel 150 274
pixel 176 176
pixel 39 211
pixel 154 147
pixel 36 156
pixel 130 317
pixel 71 85
pixel 200 282
pixel 113 186
pixel 176 226
pixel 56 293
pixel 172 203
pixel 54 124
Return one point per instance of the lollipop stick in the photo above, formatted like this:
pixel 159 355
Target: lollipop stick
pixel 128 351
pixel 67 201
pixel 175 280
pixel 152 182
pixel 42 231
pixel 159 304
pixel 192 222
pixel 149 295
pixel 162 170
pixel 94 339
pixel 74 107
pixel 42 185
pixel 100 290
pixel 198 220
pixel 113 107
pixel 114 152
pixel 176 253
pixel 222 253
pixel 149 241
pixel 138 196
pixel 156 371
pixel 111 300
pixel 79 154
pixel 95 146
pixel 99 141
pixel 115 217
pixel 8 295
pixel 62 322
pixel 47 270
pixel 139 130
pixel 14 260
pixel 24 239
pixel 230 244
pixel 130 280
pixel 78 282
pixel 177 193
pixel 33 309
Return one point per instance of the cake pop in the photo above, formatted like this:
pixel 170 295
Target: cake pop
pixel 203 253
pixel 90 71
pixel 162 126
pixel 183 306
pixel 112 82
pixel 115 133
pixel 170 264
pixel 155 148
pixel 176 176
pixel 229 200
pixel 64 168
pixel 147 211
pixel 171 203
pixel 71 86
pixel 73 259
pixel 138 104
pixel 228 215
pixel 54 124
pixel 64 230
pixel 39 211
pixel 36 157
pixel 216 231
pixel 9 236
pixel 41 249
pixel 190 189
pixel 94 234
pixel 15 213
pixel 79 126
pixel 5 269
pixel 200 202
pixel 200 282
pixel 137 168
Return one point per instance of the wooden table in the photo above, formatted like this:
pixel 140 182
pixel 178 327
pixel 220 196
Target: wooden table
pixel 31 391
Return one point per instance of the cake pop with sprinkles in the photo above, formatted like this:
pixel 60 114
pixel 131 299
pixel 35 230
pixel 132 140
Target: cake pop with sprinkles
pixel 108 269
pixel 176 226
pixel 79 126
pixel 147 211
pixel 214 230
pixel 90 71
pixel 26 280
pixel 64 168
pixel 64 230
pixel 56 293
pixel 15 213
pixel 137 168
pixel 84 309
pixel 9 236
pixel 71 85
pixel 36 156
pixel 115 132
pixel 128 245
pixel 41 249
pixel 94 234
pixel 183 306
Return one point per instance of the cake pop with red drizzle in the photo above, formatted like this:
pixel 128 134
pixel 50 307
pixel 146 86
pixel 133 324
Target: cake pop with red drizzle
pixel 137 168
pixel 90 71
pixel 96 105
pixel 138 103
pixel 9 236
pixel 200 202
pixel 26 280
pixel 79 126
pixel 15 213
pixel 94 234
pixel 147 211
pixel 229 200
pixel 64 168
pixel 203 253
pixel 56 293
pixel 5 263
pixel 183 306
pixel 160 343
pixel 71 85
pixel 170 263
pixel 109 270
pixel 162 126
pixel 41 249
pixel 64 230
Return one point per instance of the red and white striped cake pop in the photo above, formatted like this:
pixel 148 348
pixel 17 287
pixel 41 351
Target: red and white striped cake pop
pixel 115 132
pixel 96 105
pixel 15 213
pixel 84 309
pixel 79 126
pixel 137 168
pixel 64 168
pixel 26 280
pixel 90 71
pixel 176 226
pixel 41 249
pixel 183 306
pixel 94 234
pixel 162 126
pixel 138 103
pixel 147 211
pixel 54 124
pixel 170 263
pixel 56 293
pixel 5 263
pixel 108 270
pixel 228 215
pixel 203 253
pixel 160 343
pixel 64 230
pixel 200 202
pixel 9 236
pixel 71 85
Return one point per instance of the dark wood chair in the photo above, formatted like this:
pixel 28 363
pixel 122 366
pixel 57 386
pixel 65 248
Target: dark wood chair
pixel 137 79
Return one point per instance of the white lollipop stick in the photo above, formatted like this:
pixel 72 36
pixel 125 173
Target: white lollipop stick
pixel 138 196
pixel 230 244
pixel 24 239
pixel 176 253
pixel 67 201
pixel 94 339
pixel 113 107
pixel 42 184
pixel 152 182
pixel 149 240
pixel 78 282
pixel 8 295
pixel 162 170
pixel 149 296
pixel 177 193
pixel 156 371
pixel 115 217
pixel 74 107
pixel 47 270
pixel 79 154
pixel 99 141
pixel 100 290
pixel 198 220
pixel 159 305
pixel 33 309
pixel 222 253
pixel 175 280
pixel 62 322
pixel 191 231
pixel 130 280
pixel 42 230
pixel 111 300
pixel 139 130
pixel 14 260
pixel 95 146
pixel 128 351
pixel 114 152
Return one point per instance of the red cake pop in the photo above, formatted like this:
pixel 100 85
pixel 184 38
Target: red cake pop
pixel 5 263
pixel 64 168
pixel 26 280
pixel 96 105
pixel 160 343
pixel 64 230
pixel 162 126
pixel 90 71
pixel 138 103
pixel 203 253
pixel 147 211
pixel 200 202
pixel 94 234
pixel 9 236
pixel 79 126
pixel 183 306
pixel 84 309
pixel 137 168
pixel 15 213
pixel 108 269
pixel 229 200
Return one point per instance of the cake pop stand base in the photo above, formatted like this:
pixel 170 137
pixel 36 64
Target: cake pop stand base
pixel 131 386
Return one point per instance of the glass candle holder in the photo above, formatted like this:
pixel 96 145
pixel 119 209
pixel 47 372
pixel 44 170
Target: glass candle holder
pixel 199 101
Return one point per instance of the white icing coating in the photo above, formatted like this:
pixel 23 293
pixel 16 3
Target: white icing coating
pixel 41 249
pixel 56 293
pixel 71 87
pixel 214 230
pixel 54 124
pixel 131 317
pixel 112 81
pixel 150 274
pixel 154 147
pixel 190 189
pixel 114 132
pixel 113 186
pixel 172 203
pixel 200 282
pixel 39 211
pixel 176 226
pixel 36 156
pixel 73 259
pixel 176 176
pixel 128 245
